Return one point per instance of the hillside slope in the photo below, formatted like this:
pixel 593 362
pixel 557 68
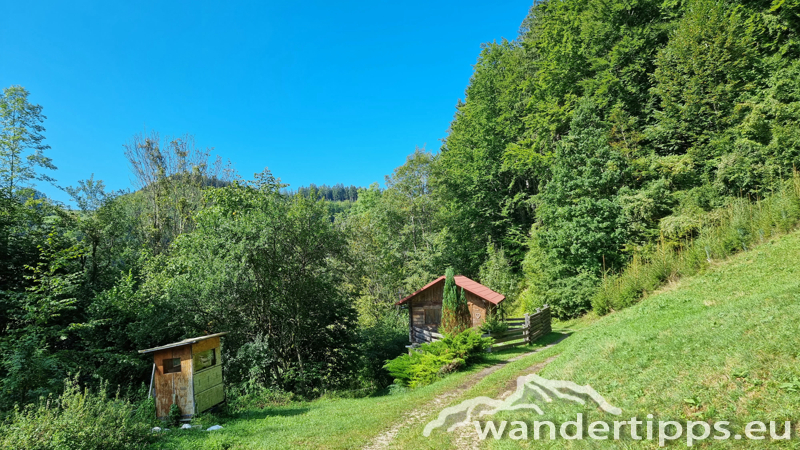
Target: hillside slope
pixel 723 345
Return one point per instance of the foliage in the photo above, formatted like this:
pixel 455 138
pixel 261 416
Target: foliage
pixel 494 324
pixel 398 236
pixel 432 360
pixel 79 419
pixel 455 311
pixel 723 232
pixel 378 343
pixel 449 302
pixel 174 416
pixel 602 122
pixel 497 274
pixel 485 197
pixel 40 321
pixel 582 221
pixel 258 265
pixel 171 174
pixel 336 193
pixel 21 131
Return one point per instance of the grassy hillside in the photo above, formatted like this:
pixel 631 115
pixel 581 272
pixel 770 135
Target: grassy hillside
pixel 722 345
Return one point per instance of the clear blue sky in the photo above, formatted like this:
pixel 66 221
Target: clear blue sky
pixel 319 92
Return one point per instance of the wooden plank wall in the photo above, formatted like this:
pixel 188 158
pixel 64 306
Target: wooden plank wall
pixel 477 309
pixel 429 298
pixel 174 387
pixel 208 387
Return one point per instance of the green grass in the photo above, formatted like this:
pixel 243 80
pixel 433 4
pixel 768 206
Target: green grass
pixel 723 345
pixel 718 346
pixel 332 423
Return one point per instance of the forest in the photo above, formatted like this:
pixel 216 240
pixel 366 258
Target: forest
pixel 606 135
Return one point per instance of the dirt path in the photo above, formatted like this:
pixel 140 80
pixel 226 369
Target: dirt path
pixel 465 438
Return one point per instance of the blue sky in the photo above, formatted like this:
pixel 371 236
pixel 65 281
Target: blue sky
pixel 319 92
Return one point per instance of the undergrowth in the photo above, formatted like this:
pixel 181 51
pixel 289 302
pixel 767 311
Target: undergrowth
pixel 79 419
pixel 721 233
pixel 435 359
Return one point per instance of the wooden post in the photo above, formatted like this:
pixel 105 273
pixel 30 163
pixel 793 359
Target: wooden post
pixel 152 377
pixel 411 321
pixel 527 328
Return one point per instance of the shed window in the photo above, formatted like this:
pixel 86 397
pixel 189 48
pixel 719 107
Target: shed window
pixel 172 365
pixel 433 316
pixel 205 359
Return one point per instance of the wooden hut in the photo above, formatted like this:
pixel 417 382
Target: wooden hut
pixel 189 374
pixel 425 305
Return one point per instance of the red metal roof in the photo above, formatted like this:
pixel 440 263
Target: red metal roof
pixel 467 284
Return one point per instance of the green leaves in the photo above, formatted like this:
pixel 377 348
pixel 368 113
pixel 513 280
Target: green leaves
pixel 455 311
pixel 21 147
pixel 260 265
pixel 435 359
pixel 791 386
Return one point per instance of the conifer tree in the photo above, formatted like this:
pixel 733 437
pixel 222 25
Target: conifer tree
pixel 449 302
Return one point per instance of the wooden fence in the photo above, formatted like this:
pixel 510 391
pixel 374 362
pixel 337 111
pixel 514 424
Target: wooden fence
pixel 521 330
pixel 423 335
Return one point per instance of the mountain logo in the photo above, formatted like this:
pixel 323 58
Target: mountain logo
pixel 542 388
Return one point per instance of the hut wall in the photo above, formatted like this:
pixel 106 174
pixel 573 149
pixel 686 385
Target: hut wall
pixel 477 309
pixel 430 298
pixel 207 377
pixel 174 387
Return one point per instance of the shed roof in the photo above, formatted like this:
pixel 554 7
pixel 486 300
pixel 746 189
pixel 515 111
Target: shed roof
pixel 183 342
pixel 466 284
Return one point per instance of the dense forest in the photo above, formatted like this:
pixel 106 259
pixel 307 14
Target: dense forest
pixel 605 134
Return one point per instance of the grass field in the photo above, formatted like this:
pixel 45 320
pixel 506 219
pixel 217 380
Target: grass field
pixel 334 423
pixel 722 345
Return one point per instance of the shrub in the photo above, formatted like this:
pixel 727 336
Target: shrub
pixel 253 395
pixel 437 358
pixel 174 418
pixel 79 419
pixel 494 324
pixel 723 232
pixel 383 341
pixel 467 345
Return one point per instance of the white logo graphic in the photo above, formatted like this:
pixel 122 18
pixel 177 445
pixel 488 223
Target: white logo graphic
pixel 542 387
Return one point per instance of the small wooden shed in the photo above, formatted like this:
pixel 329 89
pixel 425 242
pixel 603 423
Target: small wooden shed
pixel 189 374
pixel 425 305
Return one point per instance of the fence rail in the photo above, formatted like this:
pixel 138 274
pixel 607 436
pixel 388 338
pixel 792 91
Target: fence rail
pixel 521 330
pixel 423 335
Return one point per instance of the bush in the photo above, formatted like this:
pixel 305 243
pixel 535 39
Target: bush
pixel 723 232
pixel 174 418
pixel 79 419
pixel 494 324
pixel 253 395
pixel 438 358
pixel 384 340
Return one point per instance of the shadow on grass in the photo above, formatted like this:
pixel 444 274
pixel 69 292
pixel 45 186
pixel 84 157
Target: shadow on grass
pixel 271 412
pixel 501 357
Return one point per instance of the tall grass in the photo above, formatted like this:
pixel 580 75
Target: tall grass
pixel 79 419
pixel 724 232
